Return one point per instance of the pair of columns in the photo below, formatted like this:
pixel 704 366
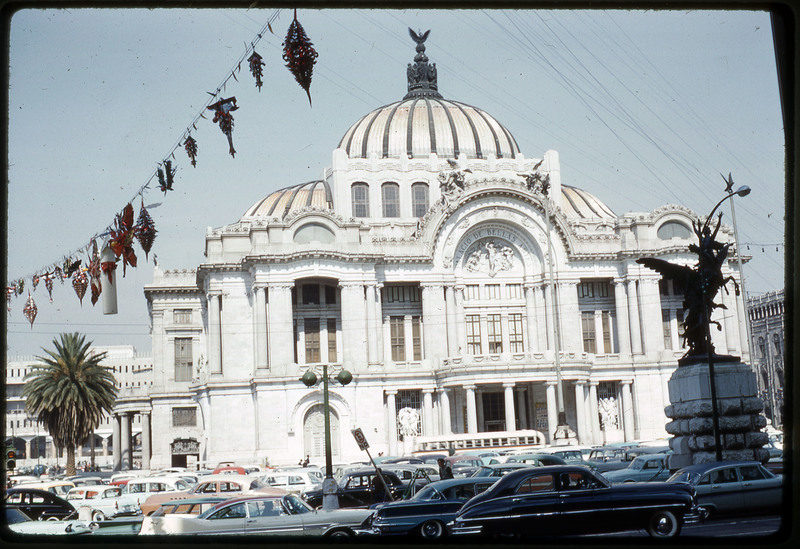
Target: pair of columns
pixel 123 441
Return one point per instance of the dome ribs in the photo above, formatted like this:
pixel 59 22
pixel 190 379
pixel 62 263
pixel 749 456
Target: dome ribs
pixel 456 150
pixel 385 150
pixel 365 139
pixel 478 153
pixel 498 150
pixel 431 126
pixel 410 130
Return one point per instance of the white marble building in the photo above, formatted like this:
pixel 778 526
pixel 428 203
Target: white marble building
pixel 436 297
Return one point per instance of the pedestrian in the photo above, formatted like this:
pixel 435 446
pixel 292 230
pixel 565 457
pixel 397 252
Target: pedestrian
pixel 307 461
pixel 445 470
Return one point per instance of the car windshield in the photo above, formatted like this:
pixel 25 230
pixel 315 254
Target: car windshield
pixel 296 505
pixel 181 484
pixel 684 476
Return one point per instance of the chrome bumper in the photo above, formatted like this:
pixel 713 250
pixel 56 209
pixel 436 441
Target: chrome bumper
pixel 463 530
pixel 697 514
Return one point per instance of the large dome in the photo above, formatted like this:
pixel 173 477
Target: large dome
pixel 418 126
pixel 314 194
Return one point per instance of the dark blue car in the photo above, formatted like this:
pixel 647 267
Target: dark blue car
pixel 426 514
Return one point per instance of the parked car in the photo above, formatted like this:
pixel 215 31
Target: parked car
pixel 295 481
pixel 138 490
pixel 427 512
pixel 645 468
pixel 79 480
pixel 229 470
pixel 570 500
pixel 732 487
pixel 213 485
pixel 613 458
pixel 537 460
pixel 359 488
pixel 38 504
pixel 570 454
pixel 464 466
pixel 285 515
pixel 497 470
pixel 403 460
pixel 487 456
pixel 103 501
pixel 57 487
pixel 21 524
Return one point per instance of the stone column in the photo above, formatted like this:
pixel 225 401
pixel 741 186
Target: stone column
pixel 598 330
pixel 444 409
pixel 408 338
pixel 377 325
pixel 146 443
pixel 569 316
pixel 427 411
pixel 301 342
pixel 214 333
pixel 594 413
pixel 550 314
pixel 511 420
pixel 433 316
pixel 125 441
pixel 621 309
pixel 633 313
pixel 261 327
pixel 461 330
pixel 531 343
pixel 652 326
pixel 452 332
pixel 372 333
pixel 104 442
pixel 280 330
pixel 391 411
pixel 523 409
pixel 580 414
pixel 472 412
pixel 627 409
pixel 354 323
pixel 552 410
pixel 116 441
pixel 541 318
pixel 730 324
pixel 387 339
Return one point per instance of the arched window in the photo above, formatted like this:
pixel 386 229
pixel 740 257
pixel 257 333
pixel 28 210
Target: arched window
pixel 761 347
pixel 360 199
pixel 390 196
pixel 673 229
pixel 419 199
pixel 776 340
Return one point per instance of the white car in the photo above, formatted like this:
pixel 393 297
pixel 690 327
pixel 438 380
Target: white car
pixel 139 489
pixel 102 501
pixel 295 481
pixel 57 487
pixel 21 524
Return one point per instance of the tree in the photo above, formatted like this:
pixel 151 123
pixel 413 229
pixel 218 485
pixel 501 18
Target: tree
pixel 69 391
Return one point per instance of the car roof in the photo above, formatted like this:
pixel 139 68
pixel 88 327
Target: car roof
pixel 509 465
pixel 447 483
pixel 703 467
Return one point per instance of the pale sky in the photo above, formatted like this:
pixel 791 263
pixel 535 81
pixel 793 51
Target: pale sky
pixel 645 108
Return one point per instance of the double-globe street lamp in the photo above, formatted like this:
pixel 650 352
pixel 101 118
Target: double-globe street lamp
pixel 311 379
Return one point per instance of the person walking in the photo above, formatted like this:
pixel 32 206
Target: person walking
pixel 445 470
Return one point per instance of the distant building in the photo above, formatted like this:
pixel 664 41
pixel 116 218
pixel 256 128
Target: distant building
pixel 767 328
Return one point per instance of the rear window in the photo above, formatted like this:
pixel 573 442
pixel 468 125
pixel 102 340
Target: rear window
pixel 539 483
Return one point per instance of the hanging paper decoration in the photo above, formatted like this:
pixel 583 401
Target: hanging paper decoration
pixel 255 67
pixel 166 183
pixel 122 239
pixel 70 267
pixel 222 114
pixel 299 54
pixel 11 291
pixel 95 270
pixel 191 149
pixel 48 283
pixel 21 285
pixel 80 282
pixel 30 309
pixel 145 230
pixel 35 281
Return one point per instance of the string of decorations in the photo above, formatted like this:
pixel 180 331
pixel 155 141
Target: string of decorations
pixel 300 57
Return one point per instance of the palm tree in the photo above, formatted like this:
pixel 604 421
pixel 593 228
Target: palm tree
pixel 69 391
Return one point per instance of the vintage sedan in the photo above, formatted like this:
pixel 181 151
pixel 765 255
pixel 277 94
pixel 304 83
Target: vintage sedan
pixel 360 488
pixel 732 487
pixel 21 524
pixel 499 469
pixel 646 468
pixel 426 514
pixel 571 500
pixel 101 502
pixel 286 515
pixel 38 504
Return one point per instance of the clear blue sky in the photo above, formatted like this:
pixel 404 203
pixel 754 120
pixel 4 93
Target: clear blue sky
pixel 644 107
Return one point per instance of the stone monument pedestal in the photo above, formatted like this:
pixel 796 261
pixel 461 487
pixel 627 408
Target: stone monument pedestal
pixel 690 411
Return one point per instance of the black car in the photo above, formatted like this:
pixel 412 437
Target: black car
pixel 38 504
pixel 426 514
pixel 360 488
pixel 573 499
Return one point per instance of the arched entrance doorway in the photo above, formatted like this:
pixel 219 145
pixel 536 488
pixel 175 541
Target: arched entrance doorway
pixel 184 452
pixel 314 433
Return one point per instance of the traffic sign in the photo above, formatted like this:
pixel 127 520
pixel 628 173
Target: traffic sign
pixel 361 440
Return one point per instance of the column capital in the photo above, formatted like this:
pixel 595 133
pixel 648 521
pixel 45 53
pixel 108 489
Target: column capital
pixel 579 382
pixel 431 285
pixel 350 285
pixel 626 382
pixel 214 293
pixel 428 391
pixel 390 392
pixel 519 388
pixel 593 383
pixel 508 384
pixel 468 387
pixel 551 383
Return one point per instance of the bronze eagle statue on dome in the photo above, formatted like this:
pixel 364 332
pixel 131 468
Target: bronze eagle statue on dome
pixel 700 285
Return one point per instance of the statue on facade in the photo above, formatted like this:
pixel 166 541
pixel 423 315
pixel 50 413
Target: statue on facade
pixel 608 413
pixel 408 420
pixel 199 367
pixel 536 182
pixel 700 285
pixel 453 182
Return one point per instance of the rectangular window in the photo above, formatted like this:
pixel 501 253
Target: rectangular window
pixel 182 316
pixel 514 291
pixel 663 289
pixel 330 295
pixel 416 337
pixel 589 339
pixel 585 289
pixel 332 340
pixel 495 334
pixel 472 291
pixel 391 200
pixel 493 291
pixel 360 199
pixel 183 359
pixel 667 329
pixel 312 340
pixel 473 335
pixel 398 340
pixel 602 289
pixel 607 344
pixel 310 294
pixel 419 199
pixel 515 333
pixel 679 318
pixel 184 417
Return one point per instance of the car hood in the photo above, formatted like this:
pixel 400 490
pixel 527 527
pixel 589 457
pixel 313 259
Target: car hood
pixel 334 516
pixel 51 527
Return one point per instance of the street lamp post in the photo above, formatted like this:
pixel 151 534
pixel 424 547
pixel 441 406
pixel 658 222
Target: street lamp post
pixel 741 191
pixel 310 379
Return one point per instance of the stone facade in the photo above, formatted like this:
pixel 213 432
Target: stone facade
pixel 767 329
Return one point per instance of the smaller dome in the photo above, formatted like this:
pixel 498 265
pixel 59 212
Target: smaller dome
pixel 313 194
pixel 579 203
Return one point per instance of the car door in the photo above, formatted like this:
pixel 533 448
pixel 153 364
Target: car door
pixel 269 517
pixel 582 504
pixel 759 490
pixel 228 520
pixel 533 508
pixel 722 489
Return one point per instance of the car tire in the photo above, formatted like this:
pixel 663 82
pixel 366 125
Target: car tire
pixel 664 525
pixel 98 516
pixel 431 530
pixel 340 535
